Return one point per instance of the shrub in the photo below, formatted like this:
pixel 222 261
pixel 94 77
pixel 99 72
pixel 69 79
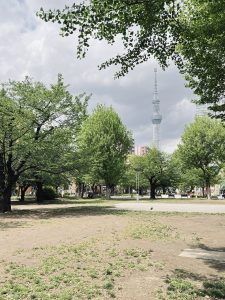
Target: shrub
pixel 49 193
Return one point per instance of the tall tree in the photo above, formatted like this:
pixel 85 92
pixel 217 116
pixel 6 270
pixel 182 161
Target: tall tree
pixel 201 45
pixel 104 143
pixel 32 118
pixel 203 148
pixel 190 32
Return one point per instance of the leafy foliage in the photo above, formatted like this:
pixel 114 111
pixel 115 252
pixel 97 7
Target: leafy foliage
pixel 190 32
pixel 37 125
pixel 201 45
pixel 49 193
pixel 202 148
pixel 156 168
pixel 144 25
pixel 104 143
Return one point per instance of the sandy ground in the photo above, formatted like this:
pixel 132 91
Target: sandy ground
pixel 46 226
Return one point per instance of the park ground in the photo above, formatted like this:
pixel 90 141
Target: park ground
pixel 88 250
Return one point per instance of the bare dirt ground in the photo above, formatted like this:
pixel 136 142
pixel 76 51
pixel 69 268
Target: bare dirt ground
pixel 138 251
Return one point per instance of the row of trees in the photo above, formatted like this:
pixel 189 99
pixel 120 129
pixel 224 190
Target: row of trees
pixel 47 137
pixel 190 33
pixel 198 161
pixel 154 170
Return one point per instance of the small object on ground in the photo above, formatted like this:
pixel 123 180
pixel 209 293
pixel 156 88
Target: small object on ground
pixel 151 208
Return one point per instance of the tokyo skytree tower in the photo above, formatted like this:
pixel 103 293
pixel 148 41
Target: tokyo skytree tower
pixel 156 117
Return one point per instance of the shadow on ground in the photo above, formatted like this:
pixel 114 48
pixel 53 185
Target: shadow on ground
pixel 62 212
pixel 12 224
pixel 182 285
pixel 215 264
pixel 185 274
pixel 32 201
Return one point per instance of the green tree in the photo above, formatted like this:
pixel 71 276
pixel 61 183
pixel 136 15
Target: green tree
pixel 191 178
pixel 129 178
pixel 202 148
pixel 187 178
pixel 145 26
pixel 58 160
pixel 201 45
pixel 190 32
pixel 153 166
pixel 104 143
pixel 36 123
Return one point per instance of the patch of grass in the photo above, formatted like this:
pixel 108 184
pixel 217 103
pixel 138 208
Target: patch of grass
pixel 181 289
pixel 83 271
pixel 214 289
pixel 184 289
pixel 108 285
pixel 137 252
pixel 152 230
pixel 93 273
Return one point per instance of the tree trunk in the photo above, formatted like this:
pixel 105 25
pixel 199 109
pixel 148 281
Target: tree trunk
pixel 22 192
pixel 39 192
pixel 108 192
pixel 5 189
pixel 93 188
pixel 112 190
pixel 152 191
pixel 7 199
pixel 2 184
pixel 208 189
pixel 203 191
pixel 82 190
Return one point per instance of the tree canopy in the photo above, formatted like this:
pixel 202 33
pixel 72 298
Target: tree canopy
pixel 37 125
pixel 145 27
pixel 201 45
pixel 202 148
pixel 104 143
pixel 190 32
pixel 154 168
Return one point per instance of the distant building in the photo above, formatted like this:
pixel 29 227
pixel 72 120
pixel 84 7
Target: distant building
pixel 141 150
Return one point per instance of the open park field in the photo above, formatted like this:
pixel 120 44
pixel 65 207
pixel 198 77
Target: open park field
pixel 88 250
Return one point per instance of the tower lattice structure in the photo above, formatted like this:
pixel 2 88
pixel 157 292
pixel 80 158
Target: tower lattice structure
pixel 156 117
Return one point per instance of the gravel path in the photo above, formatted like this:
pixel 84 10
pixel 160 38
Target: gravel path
pixel 173 207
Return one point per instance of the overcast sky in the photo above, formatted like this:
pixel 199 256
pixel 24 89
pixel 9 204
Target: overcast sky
pixel 32 47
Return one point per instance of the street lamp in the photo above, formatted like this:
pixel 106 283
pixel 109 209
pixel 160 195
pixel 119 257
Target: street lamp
pixel 137 183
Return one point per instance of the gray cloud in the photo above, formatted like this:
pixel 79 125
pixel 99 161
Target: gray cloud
pixel 32 47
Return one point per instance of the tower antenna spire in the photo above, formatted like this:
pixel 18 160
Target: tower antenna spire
pixel 156 83
pixel 156 117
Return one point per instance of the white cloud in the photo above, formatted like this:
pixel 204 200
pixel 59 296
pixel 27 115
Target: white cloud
pixel 169 145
